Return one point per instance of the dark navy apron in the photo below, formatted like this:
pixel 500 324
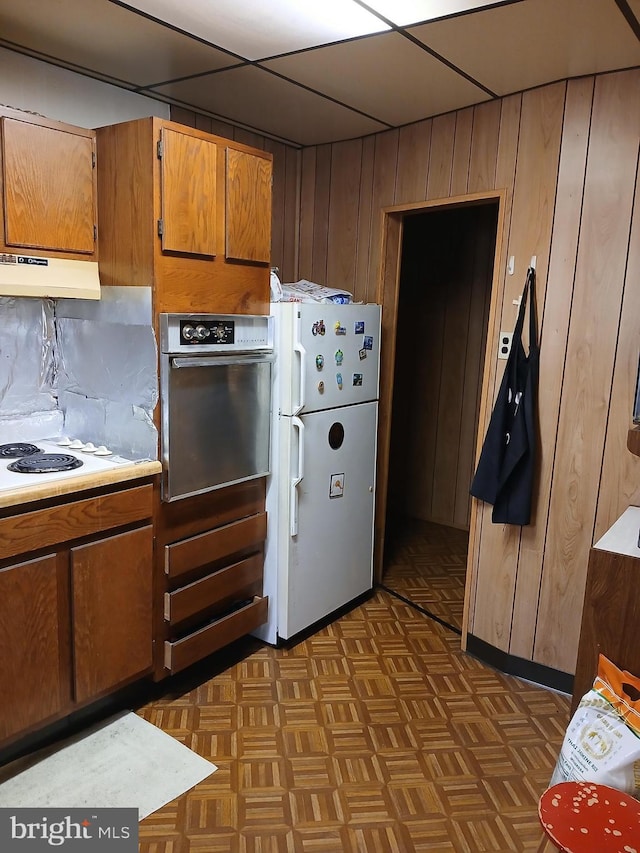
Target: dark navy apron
pixel 505 472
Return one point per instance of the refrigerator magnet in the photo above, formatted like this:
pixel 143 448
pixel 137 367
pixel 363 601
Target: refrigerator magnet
pixel 320 361
pixel 339 381
pixel 336 489
pixel 339 357
pixel 357 379
pixel 367 343
pixel 318 328
pixel 340 330
pixel 359 327
pixel 362 353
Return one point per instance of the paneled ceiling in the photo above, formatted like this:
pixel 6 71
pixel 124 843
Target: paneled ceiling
pixel 314 71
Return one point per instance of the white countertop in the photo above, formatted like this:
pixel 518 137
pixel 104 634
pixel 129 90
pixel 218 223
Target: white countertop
pixel 17 489
pixel 622 536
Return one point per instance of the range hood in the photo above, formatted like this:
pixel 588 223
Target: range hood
pixel 28 275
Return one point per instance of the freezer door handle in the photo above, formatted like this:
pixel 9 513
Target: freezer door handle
pixel 296 424
pixel 301 352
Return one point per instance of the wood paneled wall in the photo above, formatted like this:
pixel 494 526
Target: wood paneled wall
pixel 286 177
pixel 567 156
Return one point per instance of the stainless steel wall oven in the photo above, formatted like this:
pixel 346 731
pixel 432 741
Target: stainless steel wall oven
pixel 215 387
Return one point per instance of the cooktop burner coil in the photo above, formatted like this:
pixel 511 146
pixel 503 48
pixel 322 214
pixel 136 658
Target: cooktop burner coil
pixel 44 463
pixel 17 450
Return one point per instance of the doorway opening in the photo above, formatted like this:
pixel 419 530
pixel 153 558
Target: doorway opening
pixel 443 305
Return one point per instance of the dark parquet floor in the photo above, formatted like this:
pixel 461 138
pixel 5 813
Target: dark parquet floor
pixel 375 734
pixel 426 563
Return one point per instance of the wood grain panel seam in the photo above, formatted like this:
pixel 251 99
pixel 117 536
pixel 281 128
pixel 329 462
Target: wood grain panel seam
pixel 295 273
pixel 306 224
pixel 625 284
pixel 459 113
pixel 365 215
pixel 474 130
pixel 481 512
pixel 543 314
pixel 539 196
pixel 540 327
pixel 600 270
pixel 322 206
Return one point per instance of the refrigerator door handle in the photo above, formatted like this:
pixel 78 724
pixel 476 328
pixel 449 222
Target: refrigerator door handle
pixel 302 353
pixel 297 424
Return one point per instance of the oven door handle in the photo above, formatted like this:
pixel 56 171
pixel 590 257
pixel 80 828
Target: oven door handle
pixel 296 424
pixel 219 360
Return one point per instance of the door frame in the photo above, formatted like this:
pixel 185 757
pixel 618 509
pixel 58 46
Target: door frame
pixel 387 294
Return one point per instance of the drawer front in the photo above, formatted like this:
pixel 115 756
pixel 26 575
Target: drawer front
pixel 213 545
pixel 241 580
pixel 182 653
pixel 31 531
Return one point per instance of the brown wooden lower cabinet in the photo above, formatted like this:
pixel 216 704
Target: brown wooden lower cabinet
pixel 76 612
pixel 222 600
pixel 222 587
pixel 33 635
pixel 211 556
pixel 611 612
pixel 216 544
pixel 111 586
pixel 218 633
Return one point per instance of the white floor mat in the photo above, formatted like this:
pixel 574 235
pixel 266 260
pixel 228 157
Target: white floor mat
pixel 125 762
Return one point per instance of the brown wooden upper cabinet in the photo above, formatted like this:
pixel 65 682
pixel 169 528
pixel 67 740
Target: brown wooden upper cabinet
pixel 187 213
pixel 49 187
pixel 188 192
pixel 248 231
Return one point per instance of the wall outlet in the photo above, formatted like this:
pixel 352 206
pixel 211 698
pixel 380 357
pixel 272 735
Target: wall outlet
pixel 504 345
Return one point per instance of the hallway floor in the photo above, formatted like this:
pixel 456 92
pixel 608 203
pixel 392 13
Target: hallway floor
pixel 376 734
pixel 426 563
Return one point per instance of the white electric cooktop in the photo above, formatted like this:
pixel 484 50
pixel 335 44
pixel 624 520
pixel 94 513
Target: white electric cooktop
pixel 94 459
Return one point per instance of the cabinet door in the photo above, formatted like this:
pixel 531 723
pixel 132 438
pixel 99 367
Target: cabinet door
pixel 112 603
pixel 248 217
pixel 34 642
pixel 49 188
pixel 610 615
pixel 188 194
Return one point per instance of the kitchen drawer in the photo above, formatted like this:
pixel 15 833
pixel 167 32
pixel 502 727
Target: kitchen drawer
pixel 42 528
pixel 240 580
pixel 181 557
pixel 179 654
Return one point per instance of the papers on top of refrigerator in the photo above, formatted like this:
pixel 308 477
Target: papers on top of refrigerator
pixel 309 291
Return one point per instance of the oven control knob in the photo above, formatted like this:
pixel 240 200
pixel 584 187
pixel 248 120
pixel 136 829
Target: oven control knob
pixel 201 332
pixel 188 333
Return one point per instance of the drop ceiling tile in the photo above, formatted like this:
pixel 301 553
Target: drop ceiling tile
pixel 526 44
pixel 256 29
pixel 107 39
pixel 263 101
pixel 405 12
pixel 386 76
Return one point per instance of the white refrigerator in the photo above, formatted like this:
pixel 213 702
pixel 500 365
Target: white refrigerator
pixel 321 490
